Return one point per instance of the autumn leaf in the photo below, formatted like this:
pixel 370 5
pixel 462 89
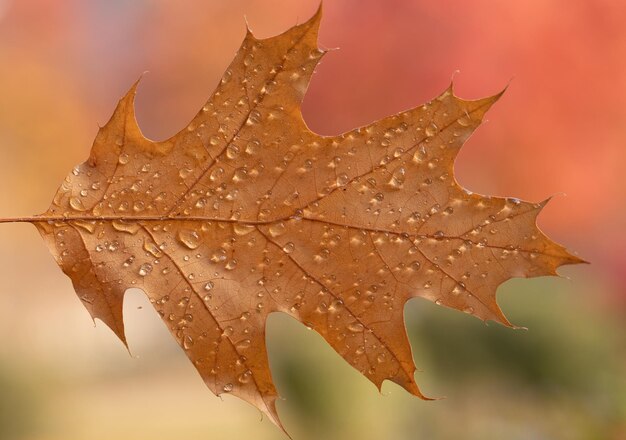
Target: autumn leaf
pixel 246 212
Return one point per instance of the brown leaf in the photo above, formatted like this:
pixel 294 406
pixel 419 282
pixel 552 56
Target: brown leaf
pixel 247 212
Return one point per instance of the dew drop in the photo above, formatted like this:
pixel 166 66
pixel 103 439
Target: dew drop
pixel 464 121
pixel 139 206
pixel 153 249
pixel 342 179
pixel 227 76
pixel 243 344
pixel 252 146
pixel 145 269
pixel 397 178
pixel 77 204
pixel 128 261
pixel 227 332
pixel 127 227
pixel 189 238
pixel 185 172
pixel 431 130
pixel 254 117
pixel 89 226
pixel 245 376
pixel 216 174
pixel 277 229
pixel 289 247
pixel 420 155
pixel 187 342
pixel 242 229
pixel 232 151
pixel 355 327
pixel 239 175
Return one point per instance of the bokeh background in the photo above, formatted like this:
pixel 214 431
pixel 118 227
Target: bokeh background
pixel 559 130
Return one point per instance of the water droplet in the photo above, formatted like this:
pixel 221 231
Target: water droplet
pixel 153 249
pixel 464 121
pixel 187 342
pixel 227 76
pixel 231 265
pixel 277 229
pixel 145 269
pixel 289 247
pixel 254 117
pixel 342 179
pixel 242 229
pixel 139 206
pixel 127 227
pixel 420 155
pixel 232 151
pixel 431 130
pixel 245 376
pixel 397 178
pixel 123 159
pixel 243 344
pixel 240 174
pixel 252 146
pixel 208 286
pixel 189 238
pixel 77 204
pixel 185 172
pixel 356 327
pixel 228 387
pixel 89 226
pixel 216 174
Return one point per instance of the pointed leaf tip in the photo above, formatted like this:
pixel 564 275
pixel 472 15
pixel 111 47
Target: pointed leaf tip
pixel 313 23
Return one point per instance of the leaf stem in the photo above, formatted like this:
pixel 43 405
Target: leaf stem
pixel 107 218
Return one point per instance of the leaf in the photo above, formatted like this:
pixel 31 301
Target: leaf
pixel 246 212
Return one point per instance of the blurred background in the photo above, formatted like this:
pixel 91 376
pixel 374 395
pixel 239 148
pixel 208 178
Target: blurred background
pixel 559 130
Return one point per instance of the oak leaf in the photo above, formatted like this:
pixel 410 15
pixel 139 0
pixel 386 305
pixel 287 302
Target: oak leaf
pixel 246 212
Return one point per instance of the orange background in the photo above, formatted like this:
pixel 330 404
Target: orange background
pixel 559 130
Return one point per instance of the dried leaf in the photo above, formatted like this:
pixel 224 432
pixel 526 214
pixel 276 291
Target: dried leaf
pixel 247 212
